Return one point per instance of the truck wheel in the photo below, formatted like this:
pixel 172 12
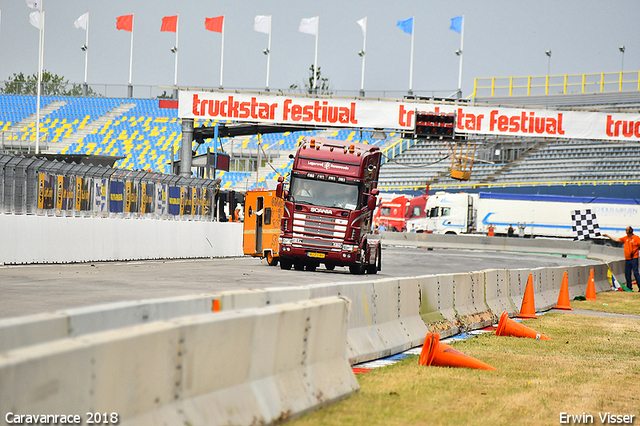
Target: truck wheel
pixel 271 260
pixel 356 269
pixel 285 264
pixel 298 266
pixel 330 266
pixel 377 265
pixel 311 267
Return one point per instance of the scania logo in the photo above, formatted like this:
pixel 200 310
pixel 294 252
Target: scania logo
pixel 319 210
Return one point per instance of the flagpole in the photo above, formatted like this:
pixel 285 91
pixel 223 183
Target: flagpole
pixel 86 51
pixel 175 78
pixel 40 60
pixel 364 54
pixel 461 54
pixel 315 60
pixel 222 54
pixel 413 27
pixel 131 60
pixel 268 54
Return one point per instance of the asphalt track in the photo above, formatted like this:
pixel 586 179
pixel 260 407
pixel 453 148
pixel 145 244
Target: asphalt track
pixel 36 289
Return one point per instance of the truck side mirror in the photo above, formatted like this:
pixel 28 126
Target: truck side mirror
pixel 371 202
pixel 279 187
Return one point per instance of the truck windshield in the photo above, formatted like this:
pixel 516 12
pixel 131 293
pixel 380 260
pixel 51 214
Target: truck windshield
pixel 324 193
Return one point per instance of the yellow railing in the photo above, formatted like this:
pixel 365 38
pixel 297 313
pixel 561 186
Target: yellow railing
pixel 557 84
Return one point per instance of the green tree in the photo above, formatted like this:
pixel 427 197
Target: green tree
pixel 322 83
pixel 52 85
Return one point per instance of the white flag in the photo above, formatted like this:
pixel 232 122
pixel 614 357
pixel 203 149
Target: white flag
pixel 363 24
pixel 262 24
pixel 309 26
pixel 34 19
pixel 33 4
pixel 81 22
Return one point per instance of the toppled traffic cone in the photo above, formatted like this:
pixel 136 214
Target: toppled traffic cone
pixel 509 327
pixel 563 297
pixel 443 355
pixel 528 308
pixel 591 288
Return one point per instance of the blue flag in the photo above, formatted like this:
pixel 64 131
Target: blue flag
pixel 456 24
pixel 406 25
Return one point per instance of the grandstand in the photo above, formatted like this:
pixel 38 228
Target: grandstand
pixel 146 136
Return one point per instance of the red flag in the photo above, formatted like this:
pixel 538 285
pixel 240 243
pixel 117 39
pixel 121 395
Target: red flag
pixel 214 24
pixel 125 22
pixel 169 23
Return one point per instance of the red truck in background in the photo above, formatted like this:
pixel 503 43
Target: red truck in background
pixel 328 209
pixel 394 214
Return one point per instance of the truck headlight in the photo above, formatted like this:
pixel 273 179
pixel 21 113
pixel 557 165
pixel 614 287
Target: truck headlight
pixel 349 247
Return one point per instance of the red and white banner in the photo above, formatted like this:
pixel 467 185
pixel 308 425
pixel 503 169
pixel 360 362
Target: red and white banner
pixel 399 115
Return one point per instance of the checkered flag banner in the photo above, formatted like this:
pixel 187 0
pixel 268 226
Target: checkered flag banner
pixel 585 224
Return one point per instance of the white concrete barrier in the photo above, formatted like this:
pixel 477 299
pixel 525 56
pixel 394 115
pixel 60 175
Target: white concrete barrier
pixel 469 300
pixel 255 366
pixel 436 307
pixel 497 292
pixel 39 328
pixel 43 239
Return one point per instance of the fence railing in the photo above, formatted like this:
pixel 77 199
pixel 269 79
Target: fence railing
pixel 142 91
pixel 32 185
pixel 557 84
pixel 397 148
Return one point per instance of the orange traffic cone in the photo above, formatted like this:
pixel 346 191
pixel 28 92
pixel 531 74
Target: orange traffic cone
pixel 591 288
pixel 528 308
pixel 443 355
pixel 509 327
pixel 563 297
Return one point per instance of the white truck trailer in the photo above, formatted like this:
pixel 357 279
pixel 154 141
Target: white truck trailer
pixel 537 215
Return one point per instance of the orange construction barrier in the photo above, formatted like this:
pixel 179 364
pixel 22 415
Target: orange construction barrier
pixel 509 327
pixel 443 355
pixel 563 297
pixel 528 308
pixel 591 288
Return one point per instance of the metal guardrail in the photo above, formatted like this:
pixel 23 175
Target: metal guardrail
pixel 557 84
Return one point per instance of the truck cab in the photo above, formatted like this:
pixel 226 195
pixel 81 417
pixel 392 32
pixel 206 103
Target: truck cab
pixel 447 213
pixel 328 207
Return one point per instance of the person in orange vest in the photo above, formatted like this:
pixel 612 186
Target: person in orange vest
pixel 491 230
pixel 631 245
pixel 235 215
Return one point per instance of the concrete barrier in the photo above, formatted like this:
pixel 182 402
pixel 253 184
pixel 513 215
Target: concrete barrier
pixel 547 287
pixel 469 300
pixel 496 284
pixel 42 239
pixel 39 328
pixel 437 305
pixel 276 363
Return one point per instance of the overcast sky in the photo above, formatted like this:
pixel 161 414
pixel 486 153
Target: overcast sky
pixel 502 38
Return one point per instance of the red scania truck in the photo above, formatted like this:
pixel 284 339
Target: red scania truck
pixel 329 206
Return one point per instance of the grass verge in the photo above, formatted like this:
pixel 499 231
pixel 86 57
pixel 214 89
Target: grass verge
pixel 591 367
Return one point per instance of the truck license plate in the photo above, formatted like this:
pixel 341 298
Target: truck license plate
pixel 317 255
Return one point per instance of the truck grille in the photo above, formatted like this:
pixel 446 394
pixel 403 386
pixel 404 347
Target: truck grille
pixel 316 232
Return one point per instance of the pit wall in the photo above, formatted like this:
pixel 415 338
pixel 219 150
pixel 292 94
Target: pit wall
pixel 266 356
pixel 41 239
pixel 565 247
